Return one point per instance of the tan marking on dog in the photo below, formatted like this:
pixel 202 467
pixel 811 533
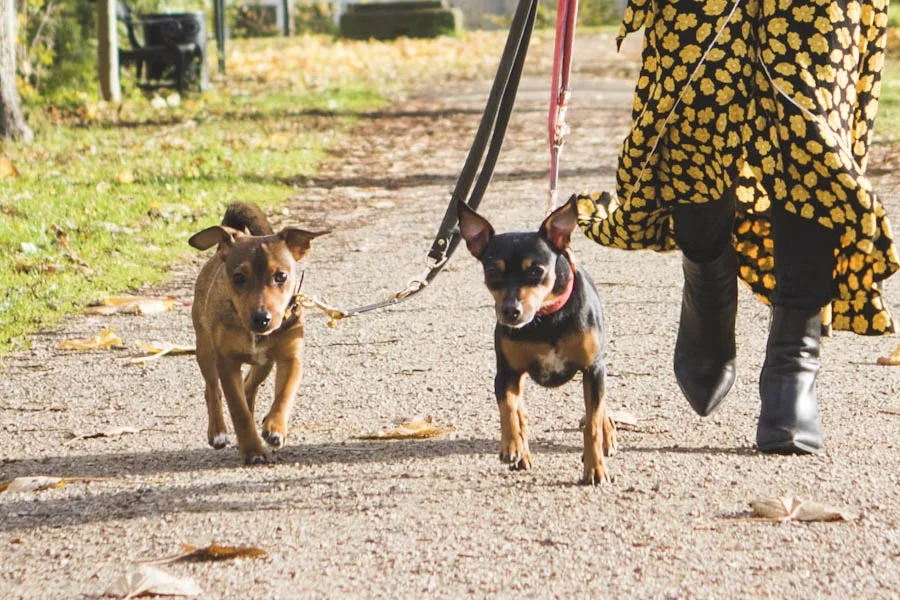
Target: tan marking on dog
pixel 526 264
pixel 514 427
pixel 578 349
pixel 500 265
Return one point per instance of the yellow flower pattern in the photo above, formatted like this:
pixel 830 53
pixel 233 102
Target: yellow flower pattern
pixel 777 101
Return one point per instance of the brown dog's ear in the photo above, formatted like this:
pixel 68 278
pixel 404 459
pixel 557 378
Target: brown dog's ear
pixel 557 228
pixel 211 236
pixel 297 240
pixel 474 228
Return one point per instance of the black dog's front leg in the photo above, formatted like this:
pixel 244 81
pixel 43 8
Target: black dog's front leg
pixel 599 430
pixel 513 419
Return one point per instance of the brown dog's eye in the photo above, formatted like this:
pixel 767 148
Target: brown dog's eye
pixel 280 277
pixel 238 279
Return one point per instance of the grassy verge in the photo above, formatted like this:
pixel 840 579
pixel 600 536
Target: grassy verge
pixel 888 121
pixel 106 197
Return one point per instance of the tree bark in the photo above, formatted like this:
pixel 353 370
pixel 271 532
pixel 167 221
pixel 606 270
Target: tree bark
pixel 108 51
pixel 12 121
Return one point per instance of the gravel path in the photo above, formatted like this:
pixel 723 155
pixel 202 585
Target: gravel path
pixel 343 517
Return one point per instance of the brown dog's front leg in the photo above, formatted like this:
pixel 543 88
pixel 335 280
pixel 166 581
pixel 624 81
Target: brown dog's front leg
pixel 216 432
pixel 287 380
pixel 513 420
pixel 249 444
pixel 595 427
pixel 253 380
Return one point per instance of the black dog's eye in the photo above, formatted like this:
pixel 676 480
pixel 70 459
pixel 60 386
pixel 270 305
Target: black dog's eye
pixel 238 279
pixel 280 277
pixel 535 274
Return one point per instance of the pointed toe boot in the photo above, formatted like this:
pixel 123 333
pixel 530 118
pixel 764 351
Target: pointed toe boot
pixel 789 420
pixel 705 348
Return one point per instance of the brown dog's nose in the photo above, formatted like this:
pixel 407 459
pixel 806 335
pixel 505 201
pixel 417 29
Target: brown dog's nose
pixel 260 320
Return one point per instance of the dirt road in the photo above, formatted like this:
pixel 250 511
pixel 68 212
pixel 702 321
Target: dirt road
pixel 342 517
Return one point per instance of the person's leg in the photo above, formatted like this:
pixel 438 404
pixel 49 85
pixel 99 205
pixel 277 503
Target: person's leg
pixel 804 264
pixel 705 347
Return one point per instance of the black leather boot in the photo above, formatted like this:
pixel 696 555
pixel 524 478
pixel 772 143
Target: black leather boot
pixel 705 350
pixel 789 418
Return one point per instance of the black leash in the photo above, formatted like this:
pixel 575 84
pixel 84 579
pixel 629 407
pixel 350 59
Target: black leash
pixel 489 138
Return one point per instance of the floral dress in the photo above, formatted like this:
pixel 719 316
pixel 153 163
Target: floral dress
pixel 775 99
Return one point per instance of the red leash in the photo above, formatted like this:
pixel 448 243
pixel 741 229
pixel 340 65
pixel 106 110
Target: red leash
pixel 566 13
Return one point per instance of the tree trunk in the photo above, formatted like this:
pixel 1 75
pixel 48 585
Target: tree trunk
pixel 12 121
pixel 108 51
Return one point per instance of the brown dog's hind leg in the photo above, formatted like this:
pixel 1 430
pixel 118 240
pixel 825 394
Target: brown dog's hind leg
pixel 216 430
pixel 513 421
pixel 287 380
pixel 249 443
pixel 595 427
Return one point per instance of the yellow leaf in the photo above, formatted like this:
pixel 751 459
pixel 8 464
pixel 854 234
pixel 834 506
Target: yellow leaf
pixel 792 508
pixel 7 168
pixel 156 350
pixel 125 176
pixel 217 552
pixel 891 361
pixel 412 429
pixel 103 341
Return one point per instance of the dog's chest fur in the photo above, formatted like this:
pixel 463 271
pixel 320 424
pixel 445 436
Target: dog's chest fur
pixel 551 364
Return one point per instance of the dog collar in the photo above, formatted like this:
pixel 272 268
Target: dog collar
pixel 564 297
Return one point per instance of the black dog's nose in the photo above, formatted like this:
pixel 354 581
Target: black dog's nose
pixel 260 320
pixel 511 313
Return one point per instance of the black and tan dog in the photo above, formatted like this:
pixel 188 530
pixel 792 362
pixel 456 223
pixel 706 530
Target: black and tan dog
pixel 549 325
pixel 245 311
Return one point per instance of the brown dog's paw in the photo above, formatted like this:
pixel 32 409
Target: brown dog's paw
pixel 218 441
pixel 273 438
pixel 594 473
pixel 256 456
pixel 274 431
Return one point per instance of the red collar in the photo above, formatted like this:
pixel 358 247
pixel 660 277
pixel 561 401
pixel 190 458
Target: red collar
pixel 557 304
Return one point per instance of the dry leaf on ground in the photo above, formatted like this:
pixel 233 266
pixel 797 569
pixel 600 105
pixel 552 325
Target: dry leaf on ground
pixel 125 176
pixel 792 508
pixel 210 553
pixel 410 429
pixel 104 340
pixel 139 305
pixel 42 482
pixel 144 580
pixel 156 350
pixel 623 419
pixel 7 168
pixel 890 361
pixel 109 433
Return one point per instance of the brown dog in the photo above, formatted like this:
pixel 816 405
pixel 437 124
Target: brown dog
pixel 245 311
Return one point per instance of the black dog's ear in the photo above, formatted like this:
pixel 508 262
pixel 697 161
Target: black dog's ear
pixel 474 229
pixel 209 237
pixel 557 228
pixel 298 240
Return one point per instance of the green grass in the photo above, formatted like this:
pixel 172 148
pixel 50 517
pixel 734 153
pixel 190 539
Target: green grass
pixel 73 228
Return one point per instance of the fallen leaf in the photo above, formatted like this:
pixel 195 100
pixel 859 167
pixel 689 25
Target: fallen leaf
pixel 125 176
pixel 156 350
pixel 144 580
pixel 792 508
pixel 103 341
pixel 888 411
pixel 411 429
pixel 109 433
pixel 217 552
pixel 7 168
pixel 42 482
pixel 141 305
pixel 890 361
pixel 623 419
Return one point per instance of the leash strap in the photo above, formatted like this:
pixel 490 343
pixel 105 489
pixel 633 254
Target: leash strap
pixel 566 14
pixel 485 151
